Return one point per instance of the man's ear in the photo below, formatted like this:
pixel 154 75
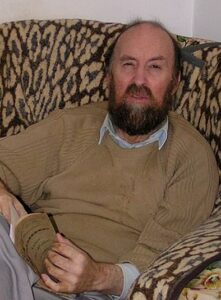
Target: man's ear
pixel 107 78
pixel 176 81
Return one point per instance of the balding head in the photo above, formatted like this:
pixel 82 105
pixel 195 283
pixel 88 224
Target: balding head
pixel 157 26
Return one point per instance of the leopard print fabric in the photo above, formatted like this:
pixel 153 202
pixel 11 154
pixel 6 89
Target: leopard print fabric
pixel 46 65
pixel 198 97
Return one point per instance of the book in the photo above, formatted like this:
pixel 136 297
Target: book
pixel 33 235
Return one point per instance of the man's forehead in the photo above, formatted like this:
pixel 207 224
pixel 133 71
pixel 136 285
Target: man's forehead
pixel 142 33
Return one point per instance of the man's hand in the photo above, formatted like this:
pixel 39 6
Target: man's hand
pixel 71 270
pixel 6 201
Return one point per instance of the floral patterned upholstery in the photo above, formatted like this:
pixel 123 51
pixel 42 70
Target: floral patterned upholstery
pixel 205 286
pixel 46 65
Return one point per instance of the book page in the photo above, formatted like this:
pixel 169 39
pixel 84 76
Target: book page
pixel 34 235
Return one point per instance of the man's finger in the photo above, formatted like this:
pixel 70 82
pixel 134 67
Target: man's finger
pixel 57 272
pixel 58 260
pixel 51 284
pixel 69 251
pixel 61 239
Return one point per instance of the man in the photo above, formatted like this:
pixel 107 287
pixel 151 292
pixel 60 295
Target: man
pixel 121 186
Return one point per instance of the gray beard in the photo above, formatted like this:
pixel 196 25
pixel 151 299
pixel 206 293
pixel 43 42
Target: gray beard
pixel 136 120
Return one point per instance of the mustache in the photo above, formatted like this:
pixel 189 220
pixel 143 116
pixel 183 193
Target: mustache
pixel 139 90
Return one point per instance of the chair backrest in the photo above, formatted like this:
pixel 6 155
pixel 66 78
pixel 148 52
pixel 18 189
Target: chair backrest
pixel 46 65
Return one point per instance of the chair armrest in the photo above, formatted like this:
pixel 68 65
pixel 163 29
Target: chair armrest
pixel 181 262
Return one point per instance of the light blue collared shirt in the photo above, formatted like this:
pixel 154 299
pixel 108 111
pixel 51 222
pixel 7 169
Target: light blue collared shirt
pixel 159 136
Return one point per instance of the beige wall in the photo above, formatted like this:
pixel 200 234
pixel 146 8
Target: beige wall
pixel 188 17
pixel 175 14
pixel 207 19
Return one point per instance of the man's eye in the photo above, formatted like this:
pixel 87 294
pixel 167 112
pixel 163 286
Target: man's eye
pixel 154 66
pixel 128 64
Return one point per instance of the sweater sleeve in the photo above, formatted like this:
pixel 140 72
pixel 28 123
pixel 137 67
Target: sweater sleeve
pixel 28 158
pixel 188 199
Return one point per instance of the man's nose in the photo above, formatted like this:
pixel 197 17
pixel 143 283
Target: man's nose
pixel 140 76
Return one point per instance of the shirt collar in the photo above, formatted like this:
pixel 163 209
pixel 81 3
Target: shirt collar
pixel 159 136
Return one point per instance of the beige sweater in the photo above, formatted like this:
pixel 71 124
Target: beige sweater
pixel 117 204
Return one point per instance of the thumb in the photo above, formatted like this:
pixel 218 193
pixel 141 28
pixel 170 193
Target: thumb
pixel 19 208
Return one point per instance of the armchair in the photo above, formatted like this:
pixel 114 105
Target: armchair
pixel 46 65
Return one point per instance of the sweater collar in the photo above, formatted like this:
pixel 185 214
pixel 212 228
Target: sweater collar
pixel 159 136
